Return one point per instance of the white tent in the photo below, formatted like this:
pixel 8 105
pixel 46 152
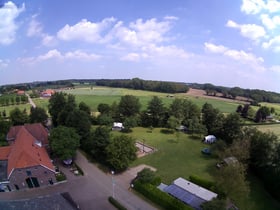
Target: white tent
pixel 210 139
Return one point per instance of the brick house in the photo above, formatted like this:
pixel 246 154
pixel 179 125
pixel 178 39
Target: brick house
pixel 25 162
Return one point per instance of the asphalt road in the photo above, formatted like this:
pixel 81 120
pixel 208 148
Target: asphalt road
pixel 90 191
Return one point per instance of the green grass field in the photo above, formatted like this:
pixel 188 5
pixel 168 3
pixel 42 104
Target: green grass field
pixel 11 107
pixel 176 156
pixel 275 128
pixel 108 95
pixel 182 157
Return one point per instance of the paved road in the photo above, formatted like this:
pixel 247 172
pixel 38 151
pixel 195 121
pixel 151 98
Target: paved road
pixel 30 100
pixel 90 191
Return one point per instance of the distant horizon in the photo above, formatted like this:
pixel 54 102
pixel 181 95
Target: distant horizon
pixel 187 83
pixel 226 43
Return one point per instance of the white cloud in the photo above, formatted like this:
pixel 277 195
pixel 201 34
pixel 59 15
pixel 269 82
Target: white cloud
pixel 8 13
pixel 86 31
pixel 252 6
pixel 257 6
pixel 275 69
pixel 251 31
pixel 4 63
pixel 214 48
pixel 171 18
pixel 35 29
pixel 273 43
pixel 57 55
pixel 238 55
pixel 270 23
pixel 141 33
pixel 131 57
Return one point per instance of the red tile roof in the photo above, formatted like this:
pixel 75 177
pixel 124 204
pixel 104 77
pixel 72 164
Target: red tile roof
pixel 37 130
pixel 26 153
pixel 4 152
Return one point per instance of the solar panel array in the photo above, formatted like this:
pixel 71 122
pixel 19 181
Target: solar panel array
pixel 184 196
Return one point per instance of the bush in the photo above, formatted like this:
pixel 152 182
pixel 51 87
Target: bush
pixel 162 199
pixel 115 203
pixel 202 182
pixel 60 177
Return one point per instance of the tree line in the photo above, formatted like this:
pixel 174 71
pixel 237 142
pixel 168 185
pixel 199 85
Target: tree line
pixel 253 95
pixel 12 99
pixel 139 84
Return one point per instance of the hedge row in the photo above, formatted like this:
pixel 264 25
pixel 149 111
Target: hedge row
pixel 202 182
pixel 115 203
pixel 162 199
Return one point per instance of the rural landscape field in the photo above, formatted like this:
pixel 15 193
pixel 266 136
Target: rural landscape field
pixel 176 155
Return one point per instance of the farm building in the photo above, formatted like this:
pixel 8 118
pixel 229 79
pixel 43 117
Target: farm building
pixel 117 126
pixel 209 139
pixel 25 162
pixel 189 193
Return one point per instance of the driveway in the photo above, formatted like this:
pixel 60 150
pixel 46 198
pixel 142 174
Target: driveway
pixel 90 191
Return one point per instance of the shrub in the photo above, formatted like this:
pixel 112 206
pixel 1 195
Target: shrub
pixel 60 177
pixel 115 203
pixel 202 182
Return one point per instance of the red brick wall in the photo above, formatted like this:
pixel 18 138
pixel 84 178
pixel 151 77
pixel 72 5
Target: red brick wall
pixel 19 176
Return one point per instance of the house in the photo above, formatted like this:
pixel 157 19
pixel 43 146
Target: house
pixel 25 162
pixel 209 139
pixel 189 193
pixel 20 92
pixel 47 93
pixel 117 126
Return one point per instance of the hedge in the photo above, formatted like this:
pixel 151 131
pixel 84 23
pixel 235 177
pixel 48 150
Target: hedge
pixel 202 182
pixel 115 203
pixel 162 199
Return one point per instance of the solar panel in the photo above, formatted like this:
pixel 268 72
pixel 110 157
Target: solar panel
pixel 184 196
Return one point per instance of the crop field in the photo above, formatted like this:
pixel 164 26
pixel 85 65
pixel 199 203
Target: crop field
pixel 275 128
pixel 96 95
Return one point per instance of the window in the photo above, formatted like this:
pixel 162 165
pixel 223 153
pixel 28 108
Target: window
pixel 28 173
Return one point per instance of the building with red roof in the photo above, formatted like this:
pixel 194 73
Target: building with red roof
pixel 26 162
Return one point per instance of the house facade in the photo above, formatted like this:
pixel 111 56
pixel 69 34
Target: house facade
pixel 25 161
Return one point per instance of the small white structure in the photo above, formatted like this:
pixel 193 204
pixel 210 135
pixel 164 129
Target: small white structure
pixel 210 139
pixel 117 126
pixel 188 192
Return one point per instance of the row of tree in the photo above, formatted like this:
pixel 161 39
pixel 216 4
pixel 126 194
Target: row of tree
pixel 251 94
pixel 6 100
pixel 139 84
pixel 261 115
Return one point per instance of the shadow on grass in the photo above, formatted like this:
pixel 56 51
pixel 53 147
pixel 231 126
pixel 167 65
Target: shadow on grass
pixel 166 131
pixel 194 137
pixel 172 141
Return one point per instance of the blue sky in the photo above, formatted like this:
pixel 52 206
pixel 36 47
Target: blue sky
pixel 223 42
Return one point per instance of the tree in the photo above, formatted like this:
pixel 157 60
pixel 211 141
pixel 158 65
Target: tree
pixel 84 107
pixel 231 128
pixel 156 111
pixel 104 108
pixel 262 113
pixel 18 117
pixel 121 152
pixel 38 115
pixel 173 122
pixel 64 142
pixel 56 103
pixel 146 175
pixel 101 139
pixel 231 180
pixel 212 118
pixel 80 121
pixel 69 107
pixel 129 105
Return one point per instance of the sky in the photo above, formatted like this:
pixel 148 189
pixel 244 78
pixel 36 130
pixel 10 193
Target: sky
pixel 223 42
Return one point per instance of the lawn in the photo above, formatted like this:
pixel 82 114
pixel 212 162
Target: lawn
pixel 275 128
pixel 11 107
pixel 96 95
pixel 177 156
pixel 181 157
